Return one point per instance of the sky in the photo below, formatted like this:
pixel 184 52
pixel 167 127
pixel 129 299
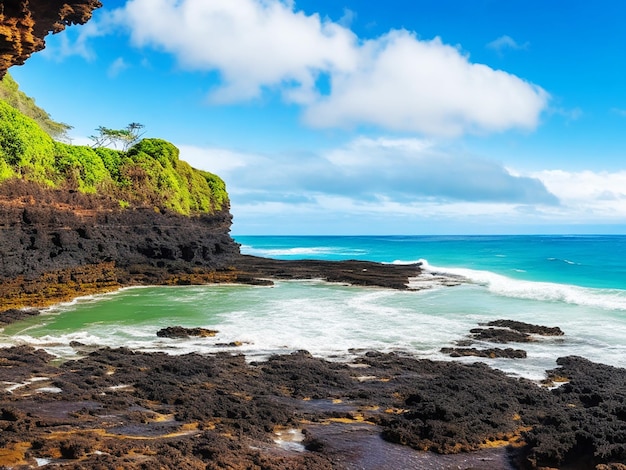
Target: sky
pixel 355 117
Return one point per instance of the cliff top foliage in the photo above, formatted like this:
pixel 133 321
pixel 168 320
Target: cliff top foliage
pixel 148 173
pixel 11 93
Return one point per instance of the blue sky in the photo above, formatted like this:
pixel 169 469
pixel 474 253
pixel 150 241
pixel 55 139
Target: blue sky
pixel 359 117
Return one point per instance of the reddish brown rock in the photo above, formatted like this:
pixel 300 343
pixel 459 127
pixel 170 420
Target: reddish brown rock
pixel 25 24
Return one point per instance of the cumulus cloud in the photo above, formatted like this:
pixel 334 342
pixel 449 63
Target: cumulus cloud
pixel 253 44
pixel 405 84
pixel 396 81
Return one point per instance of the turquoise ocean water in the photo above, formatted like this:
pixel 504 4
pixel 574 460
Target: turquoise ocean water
pixel 575 282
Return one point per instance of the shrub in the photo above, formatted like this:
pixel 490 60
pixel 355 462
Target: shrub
pixel 25 146
pixel 80 167
pixel 150 173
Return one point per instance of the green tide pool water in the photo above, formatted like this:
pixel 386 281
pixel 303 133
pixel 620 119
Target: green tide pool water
pixel 575 282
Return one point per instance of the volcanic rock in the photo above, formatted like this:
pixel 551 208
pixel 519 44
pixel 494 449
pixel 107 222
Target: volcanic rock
pixel 124 409
pixel 181 332
pixel 24 24
pixel 58 244
pixel 492 353
pixel 527 327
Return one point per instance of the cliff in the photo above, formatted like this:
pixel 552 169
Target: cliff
pixel 75 220
pixel 24 24
pixel 56 244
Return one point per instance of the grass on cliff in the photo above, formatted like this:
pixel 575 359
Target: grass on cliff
pixel 149 173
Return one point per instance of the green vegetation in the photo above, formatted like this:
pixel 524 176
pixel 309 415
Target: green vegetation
pixel 10 92
pixel 149 173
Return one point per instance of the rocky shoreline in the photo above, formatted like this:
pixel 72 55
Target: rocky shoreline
pixel 117 408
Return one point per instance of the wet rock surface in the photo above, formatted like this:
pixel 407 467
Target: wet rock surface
pixel 13 315
pixel 354 272
pixel 527 328
pixel 182 332
pixel 501 332
pixel 509 353
pixel 116 408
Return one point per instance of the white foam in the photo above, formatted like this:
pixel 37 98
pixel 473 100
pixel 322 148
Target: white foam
pixel 338 322
pixel 610 299
pixel 299 251
pixel 290 440
pixel 49 390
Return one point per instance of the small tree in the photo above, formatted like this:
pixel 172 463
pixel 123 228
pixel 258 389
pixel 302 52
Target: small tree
pixel 124 138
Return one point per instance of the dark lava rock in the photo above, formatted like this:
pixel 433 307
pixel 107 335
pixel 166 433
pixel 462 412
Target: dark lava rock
pixel 14 314
pixel 363 273
pixel 510 331
pixel 500 335
pixel 181 332
pixel 586 424
pixel 527 327
pixel 151 410
pixel 490 353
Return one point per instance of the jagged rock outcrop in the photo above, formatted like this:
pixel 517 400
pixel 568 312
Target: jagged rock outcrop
pixel 25 23
pixel 50 237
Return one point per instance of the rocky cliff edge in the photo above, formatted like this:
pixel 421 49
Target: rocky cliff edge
pixel 24 25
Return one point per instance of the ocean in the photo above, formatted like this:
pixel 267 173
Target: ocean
pixel 577 283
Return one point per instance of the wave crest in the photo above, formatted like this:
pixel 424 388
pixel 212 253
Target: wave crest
pixel 609 299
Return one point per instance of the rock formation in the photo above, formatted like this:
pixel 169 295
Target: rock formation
pixel 24 25
pixel 50 239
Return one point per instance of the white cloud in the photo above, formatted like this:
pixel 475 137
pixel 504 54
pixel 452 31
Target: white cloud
pixel 402 171
pixel 76 41
pixel 406 84
pixel 348 18
pixel 215 160
pixel 411 183
pixel 396 82
pixel 573 114
pixel 506 42
pixel 588 196
pixel 253 44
